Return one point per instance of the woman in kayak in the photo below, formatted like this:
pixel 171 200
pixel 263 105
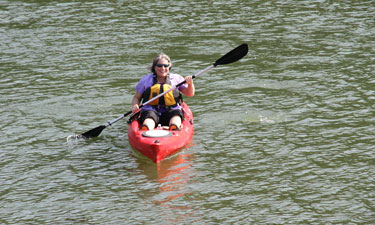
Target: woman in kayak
pixel 166 109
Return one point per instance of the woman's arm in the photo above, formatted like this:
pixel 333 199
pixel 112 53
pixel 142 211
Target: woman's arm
pixel 135 101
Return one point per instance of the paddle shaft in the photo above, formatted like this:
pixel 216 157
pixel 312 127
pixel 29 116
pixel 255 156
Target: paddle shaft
pixel 158 96
pixel 230 57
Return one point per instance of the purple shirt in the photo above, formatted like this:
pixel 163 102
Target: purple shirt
pixel 148 80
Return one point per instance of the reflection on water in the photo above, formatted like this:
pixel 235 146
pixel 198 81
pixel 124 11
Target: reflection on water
pixel 172 174
pixel 172 177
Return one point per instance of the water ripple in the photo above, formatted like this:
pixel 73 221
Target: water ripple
pixel 284 136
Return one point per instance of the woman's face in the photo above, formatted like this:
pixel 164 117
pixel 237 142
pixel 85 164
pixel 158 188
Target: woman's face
pixel 162 68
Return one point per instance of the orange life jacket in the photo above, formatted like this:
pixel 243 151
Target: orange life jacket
pixel 170 99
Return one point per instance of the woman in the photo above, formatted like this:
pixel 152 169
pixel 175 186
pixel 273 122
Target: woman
pixel 165 110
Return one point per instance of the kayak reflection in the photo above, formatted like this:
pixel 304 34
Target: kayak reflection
pixel 172 175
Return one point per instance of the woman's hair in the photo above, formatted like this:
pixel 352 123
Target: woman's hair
pixel 156 60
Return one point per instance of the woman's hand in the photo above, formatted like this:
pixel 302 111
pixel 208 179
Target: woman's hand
pixel 189 80
pixel 135 108
pixel 190 90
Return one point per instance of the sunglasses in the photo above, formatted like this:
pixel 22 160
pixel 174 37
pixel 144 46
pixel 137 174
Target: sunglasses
pixel 161 65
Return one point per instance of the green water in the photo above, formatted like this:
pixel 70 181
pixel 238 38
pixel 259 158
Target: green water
pixel 284 136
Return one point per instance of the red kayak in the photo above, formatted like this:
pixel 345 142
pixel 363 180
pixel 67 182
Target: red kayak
pixel 161 143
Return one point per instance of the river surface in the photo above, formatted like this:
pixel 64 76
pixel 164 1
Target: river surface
pixel 283 136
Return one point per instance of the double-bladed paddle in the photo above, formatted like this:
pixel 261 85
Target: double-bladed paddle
pixel 232 56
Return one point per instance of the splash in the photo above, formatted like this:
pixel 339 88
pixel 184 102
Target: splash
pixel 73 137
pixel 264 119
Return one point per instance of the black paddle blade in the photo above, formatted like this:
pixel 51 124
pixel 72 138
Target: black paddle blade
pixel 92 133
pixel 234 55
